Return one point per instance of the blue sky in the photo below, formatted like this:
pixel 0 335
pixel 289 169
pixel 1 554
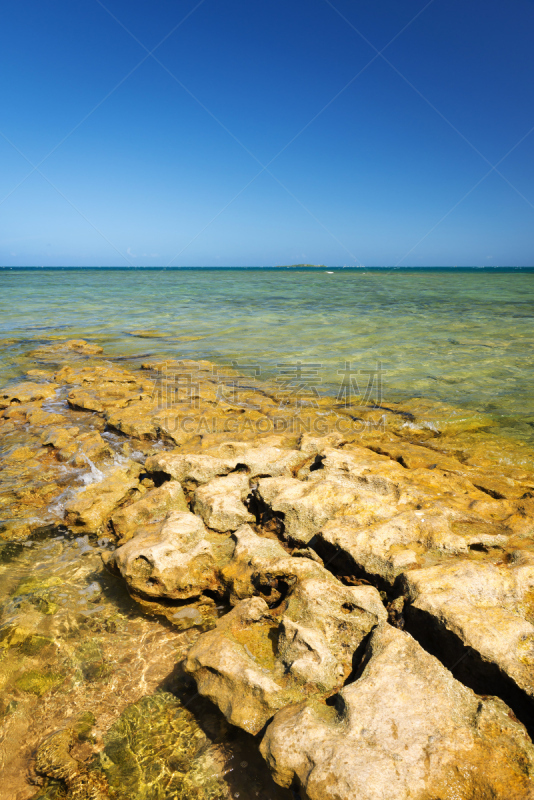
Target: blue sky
pixel 267 132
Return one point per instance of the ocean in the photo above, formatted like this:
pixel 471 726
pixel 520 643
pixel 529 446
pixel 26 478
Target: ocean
pixel 461 336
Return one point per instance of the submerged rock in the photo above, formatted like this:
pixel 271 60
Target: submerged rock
pixel 68 347
pixel 157 750
pixel 404 729
pixel 160 749
pixel 54 760
pixel 39 683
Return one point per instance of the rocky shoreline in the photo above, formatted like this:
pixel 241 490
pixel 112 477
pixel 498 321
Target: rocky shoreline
pixel 355 582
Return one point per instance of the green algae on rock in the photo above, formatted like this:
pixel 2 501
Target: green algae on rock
pixel 38 683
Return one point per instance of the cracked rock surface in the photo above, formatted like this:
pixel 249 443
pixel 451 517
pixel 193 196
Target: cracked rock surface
pixel 404 729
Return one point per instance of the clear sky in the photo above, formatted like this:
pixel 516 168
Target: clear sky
pixel 261 132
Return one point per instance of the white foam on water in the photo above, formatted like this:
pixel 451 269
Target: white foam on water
pixel 94 475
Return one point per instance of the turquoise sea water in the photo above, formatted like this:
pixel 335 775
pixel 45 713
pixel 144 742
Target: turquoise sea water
pixel 461 336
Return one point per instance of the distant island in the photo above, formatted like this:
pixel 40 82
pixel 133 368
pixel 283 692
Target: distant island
pixel 294 266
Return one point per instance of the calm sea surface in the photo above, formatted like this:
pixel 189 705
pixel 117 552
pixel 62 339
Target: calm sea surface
pixel 464 337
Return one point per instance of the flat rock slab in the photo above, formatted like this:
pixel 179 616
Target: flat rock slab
pixel 488 607
pixel 27 392
pixel 307 505
pixel 197 468
pixel 413 538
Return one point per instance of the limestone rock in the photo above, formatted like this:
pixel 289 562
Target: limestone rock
pixel 389 547
pixel 220 502
pixel 53 760
pixel 94 505
pixel 339 613
pixel 173 425
pixel 256 662
pixel 488 607
pixel 27 392
pixel 264 459
pixel 358 463
pixel 100 374
pixel 441 418
pixel 83 448
pixel 251 553
pixel 272 461
pixel 306 506
pixel 151 509
pixel 234 447
pixel 414 456
pixel 90 447
pixel 405 730
pixel 175 562
pixel 196 468
pixel 275 578
pixel 106 395
pixel 233 666
pixel 368 597
pixel 59 437
pixel 157 749
pixel 312 445
pixel 379 476
pixel 78 346
pixel 84 399
pixel 268 458
pixel 40 374
pixel 500 487
pixel 134 420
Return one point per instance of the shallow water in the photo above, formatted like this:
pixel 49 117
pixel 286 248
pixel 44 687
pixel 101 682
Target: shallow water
pixel 76 651
pixel 464 337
